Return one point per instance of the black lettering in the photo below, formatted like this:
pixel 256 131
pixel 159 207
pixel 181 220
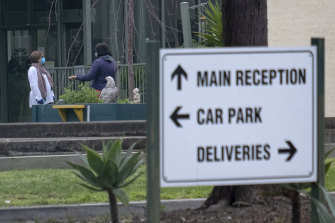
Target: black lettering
pixel 258 152
pixel 231 113
pixel 209 153
pixel 247 77
pixel 200 120
pixel 229 152
pixel 215 155
pixel 302 76
pixel 218 116
pixel 202 80
pixel 222 153
pixel 213 79
pixel 239 77
pixel 237 153
pixel 273 75
pixel 258 115
pixel 287 76
pixel 226 78
pixel 264 77
pixel 293 75
pixel 267 152
pixel 281 75
pixel 256 80
pixel 239 116
pixel 201 154
pixel 209 116
pixel 253 152
pixel 246 152
pixel 248 114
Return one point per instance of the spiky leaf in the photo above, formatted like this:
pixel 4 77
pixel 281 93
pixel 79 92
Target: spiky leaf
pixel 127 156
pixel 114 152
pixel 329 199
pixel 87 174
pixel 322 211
pixel 94 160
pixel 122 196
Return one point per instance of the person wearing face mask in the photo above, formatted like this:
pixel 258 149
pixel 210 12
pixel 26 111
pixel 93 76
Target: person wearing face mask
pixel 40 81
pixel 102 67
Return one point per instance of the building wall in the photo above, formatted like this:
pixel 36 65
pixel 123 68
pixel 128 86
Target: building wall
pixel 295 22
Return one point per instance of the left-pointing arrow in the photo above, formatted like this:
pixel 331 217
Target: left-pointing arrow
pixel 291 150
pixel 175 116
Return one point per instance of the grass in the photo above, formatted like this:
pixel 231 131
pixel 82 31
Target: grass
pixel 54 186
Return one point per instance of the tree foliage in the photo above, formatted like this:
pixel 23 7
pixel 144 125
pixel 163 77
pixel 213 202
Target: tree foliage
pixel 211 34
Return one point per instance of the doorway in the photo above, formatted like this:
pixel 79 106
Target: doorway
pixel 20 43
pixel 19 46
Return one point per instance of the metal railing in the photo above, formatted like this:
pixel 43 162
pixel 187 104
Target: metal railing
pixel 61 81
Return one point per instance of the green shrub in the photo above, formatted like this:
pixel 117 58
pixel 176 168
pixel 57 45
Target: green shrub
pixel 109 172
pixel 125 101
pixel 84 94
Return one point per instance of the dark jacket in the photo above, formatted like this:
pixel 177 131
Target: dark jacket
pixel 101 68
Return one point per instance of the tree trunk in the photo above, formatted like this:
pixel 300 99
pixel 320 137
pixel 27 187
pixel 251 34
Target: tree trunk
pixel 244 24
pixel 114 215
pixel 130 49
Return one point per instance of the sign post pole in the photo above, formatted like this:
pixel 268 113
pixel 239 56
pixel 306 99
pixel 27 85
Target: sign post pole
pixel 320 44
pixel 153 185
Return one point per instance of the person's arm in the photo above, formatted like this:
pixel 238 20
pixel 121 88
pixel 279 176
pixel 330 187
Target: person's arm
pixel 33 81
pixel 91 74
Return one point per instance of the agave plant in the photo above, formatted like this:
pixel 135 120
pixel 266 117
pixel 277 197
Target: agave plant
pixel 109 172
pixel 324 207
pixel 211 26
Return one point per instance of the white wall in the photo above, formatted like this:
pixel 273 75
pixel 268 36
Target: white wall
pixel 295 22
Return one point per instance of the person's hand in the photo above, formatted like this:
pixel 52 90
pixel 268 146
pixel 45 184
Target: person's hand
pixel 41 102
pixel 72 77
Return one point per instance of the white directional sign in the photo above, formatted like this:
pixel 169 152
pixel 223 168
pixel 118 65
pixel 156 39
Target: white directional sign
pixel 231 116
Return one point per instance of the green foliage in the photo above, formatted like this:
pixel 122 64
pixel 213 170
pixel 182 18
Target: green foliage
pixel 84 94
pixel 211 26
pixel 109 171
pixel 125 101
pixel 326 211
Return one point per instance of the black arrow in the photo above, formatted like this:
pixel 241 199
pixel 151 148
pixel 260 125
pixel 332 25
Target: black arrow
pixel 179 71
pixel 292 150
pixel 175 116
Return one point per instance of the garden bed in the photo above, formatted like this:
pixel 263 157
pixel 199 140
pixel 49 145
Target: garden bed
pixel 92 112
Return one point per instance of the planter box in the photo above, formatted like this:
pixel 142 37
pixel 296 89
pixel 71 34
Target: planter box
pixel 92 112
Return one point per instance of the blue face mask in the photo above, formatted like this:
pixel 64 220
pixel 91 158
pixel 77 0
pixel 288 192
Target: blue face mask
pixel 43 60
pixel 96 54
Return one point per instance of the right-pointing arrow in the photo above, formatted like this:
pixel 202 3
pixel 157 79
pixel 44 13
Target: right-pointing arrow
pixel 291 150
pixel 175 116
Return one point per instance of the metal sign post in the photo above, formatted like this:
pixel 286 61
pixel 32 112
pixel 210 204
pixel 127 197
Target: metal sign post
pixel 320 44
pixel 153 186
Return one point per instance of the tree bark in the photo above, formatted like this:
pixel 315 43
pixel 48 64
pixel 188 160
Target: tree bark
pixel 130 49
pixel 244 24
pixel 114 215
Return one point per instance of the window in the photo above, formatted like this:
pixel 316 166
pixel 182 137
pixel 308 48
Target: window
pixel 72 4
